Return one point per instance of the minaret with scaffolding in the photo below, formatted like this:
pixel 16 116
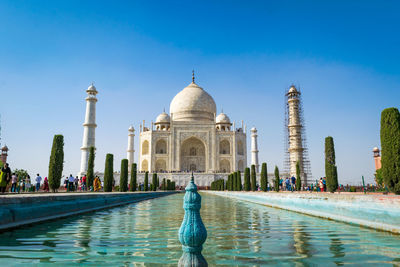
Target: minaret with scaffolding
pixel 295 137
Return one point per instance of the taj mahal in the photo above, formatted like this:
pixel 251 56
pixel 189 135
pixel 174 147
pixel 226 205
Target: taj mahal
pixel 192 138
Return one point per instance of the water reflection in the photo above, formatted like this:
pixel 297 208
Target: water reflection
pixel 239 234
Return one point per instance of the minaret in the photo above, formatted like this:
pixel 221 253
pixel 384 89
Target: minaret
pixel 89 127
pixel 254 149
pixel 131 150
pixel 294 130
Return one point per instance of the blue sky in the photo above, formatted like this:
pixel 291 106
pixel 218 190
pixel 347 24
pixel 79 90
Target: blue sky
pixel 343 54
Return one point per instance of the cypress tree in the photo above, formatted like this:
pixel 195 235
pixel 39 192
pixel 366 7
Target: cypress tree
pixel 133 182
pixel 330 165
pixel 164 185
pixel 390 141
pixel 109 173
pixel 264 177
pixel 168 184
pixel 253 178
pixel 276 179
pixel 123 181
pixel 239 181
pixel 247 179
pixel 56 163
pixel 90 170
pixel 146 181
pixel 298 176
pixel 154 181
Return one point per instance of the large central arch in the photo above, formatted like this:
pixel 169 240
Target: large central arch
pixel 193 155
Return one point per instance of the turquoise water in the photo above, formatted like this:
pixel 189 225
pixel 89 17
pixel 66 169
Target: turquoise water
pixel 239 234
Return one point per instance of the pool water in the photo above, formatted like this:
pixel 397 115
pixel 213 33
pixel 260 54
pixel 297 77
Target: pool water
pixel 239 234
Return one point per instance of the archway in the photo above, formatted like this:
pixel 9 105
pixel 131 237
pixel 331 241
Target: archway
pixel 144 166
pixel 161 165
pixel 145 147
pixel 161 147
pixel 193 155
pixel 224 147
pixel 240 149
pixel 241 165
pixel 224 166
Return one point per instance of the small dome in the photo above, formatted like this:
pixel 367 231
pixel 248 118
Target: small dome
pixel 222 118
pixel 193 104
pixel 375 149
pixel 292 89
pixel 163 118
pixel 91 89
pixel 131 129
pixel 4 148
pixel 254 129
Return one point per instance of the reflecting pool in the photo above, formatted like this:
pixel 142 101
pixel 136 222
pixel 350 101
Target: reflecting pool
pixel 239 234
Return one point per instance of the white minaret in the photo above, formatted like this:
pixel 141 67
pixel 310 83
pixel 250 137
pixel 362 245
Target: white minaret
pixel 254 149
pixel 89 127
pixel 130 151
pixel 294 124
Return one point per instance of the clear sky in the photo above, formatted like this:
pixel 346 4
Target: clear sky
pixel 343 54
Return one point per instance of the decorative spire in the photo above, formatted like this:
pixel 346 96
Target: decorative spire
pixel 192 76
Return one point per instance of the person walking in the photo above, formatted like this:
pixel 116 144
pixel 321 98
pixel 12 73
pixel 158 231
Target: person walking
pixel 293 180
pixel 14 180
pixel 84 188
pixel 321 185
pixel 5 177
pixel 76 181
pixel 46 184
pixel 38 180
pixel 71 181
pixel 96 184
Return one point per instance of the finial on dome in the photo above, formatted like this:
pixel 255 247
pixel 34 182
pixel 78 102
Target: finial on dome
pixel 222 110
pixel 164 110
pixel 192 76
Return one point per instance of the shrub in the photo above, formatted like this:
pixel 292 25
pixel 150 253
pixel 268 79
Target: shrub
pixel 264 177
pixel 298 178
pixel 133 182
pixel 276 172
pixel 90 170
pixel 239 181
pixel 123 181
pixel 109 173
pixel 253 178
pixel 390 141
pixel 56 163
pixel 146 181
pixel 154 182
pixel 247 179
pixel 330 165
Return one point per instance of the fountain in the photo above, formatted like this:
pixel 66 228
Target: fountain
pixel 192 233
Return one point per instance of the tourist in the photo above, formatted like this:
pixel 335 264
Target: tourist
pixel 324 183
pixel 76 181
pixel 71 181
pixel 22 185
pixel 46 184
pixel 84 188
pixel 97 184
pixel 293 183
pixel 14 180
pixel 321 185
pixel 38 180
pixel 66 183
pixel 287 184
pixel 5 177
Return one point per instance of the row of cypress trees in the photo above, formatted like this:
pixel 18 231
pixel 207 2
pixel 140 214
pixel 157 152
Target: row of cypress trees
pixel 234 182
pixel 167 184
pixel 218 185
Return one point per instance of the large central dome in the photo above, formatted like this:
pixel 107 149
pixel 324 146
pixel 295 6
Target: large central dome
pixel 192 104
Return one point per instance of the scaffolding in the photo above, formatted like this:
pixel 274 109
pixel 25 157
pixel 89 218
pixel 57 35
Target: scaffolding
pixel 305 165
